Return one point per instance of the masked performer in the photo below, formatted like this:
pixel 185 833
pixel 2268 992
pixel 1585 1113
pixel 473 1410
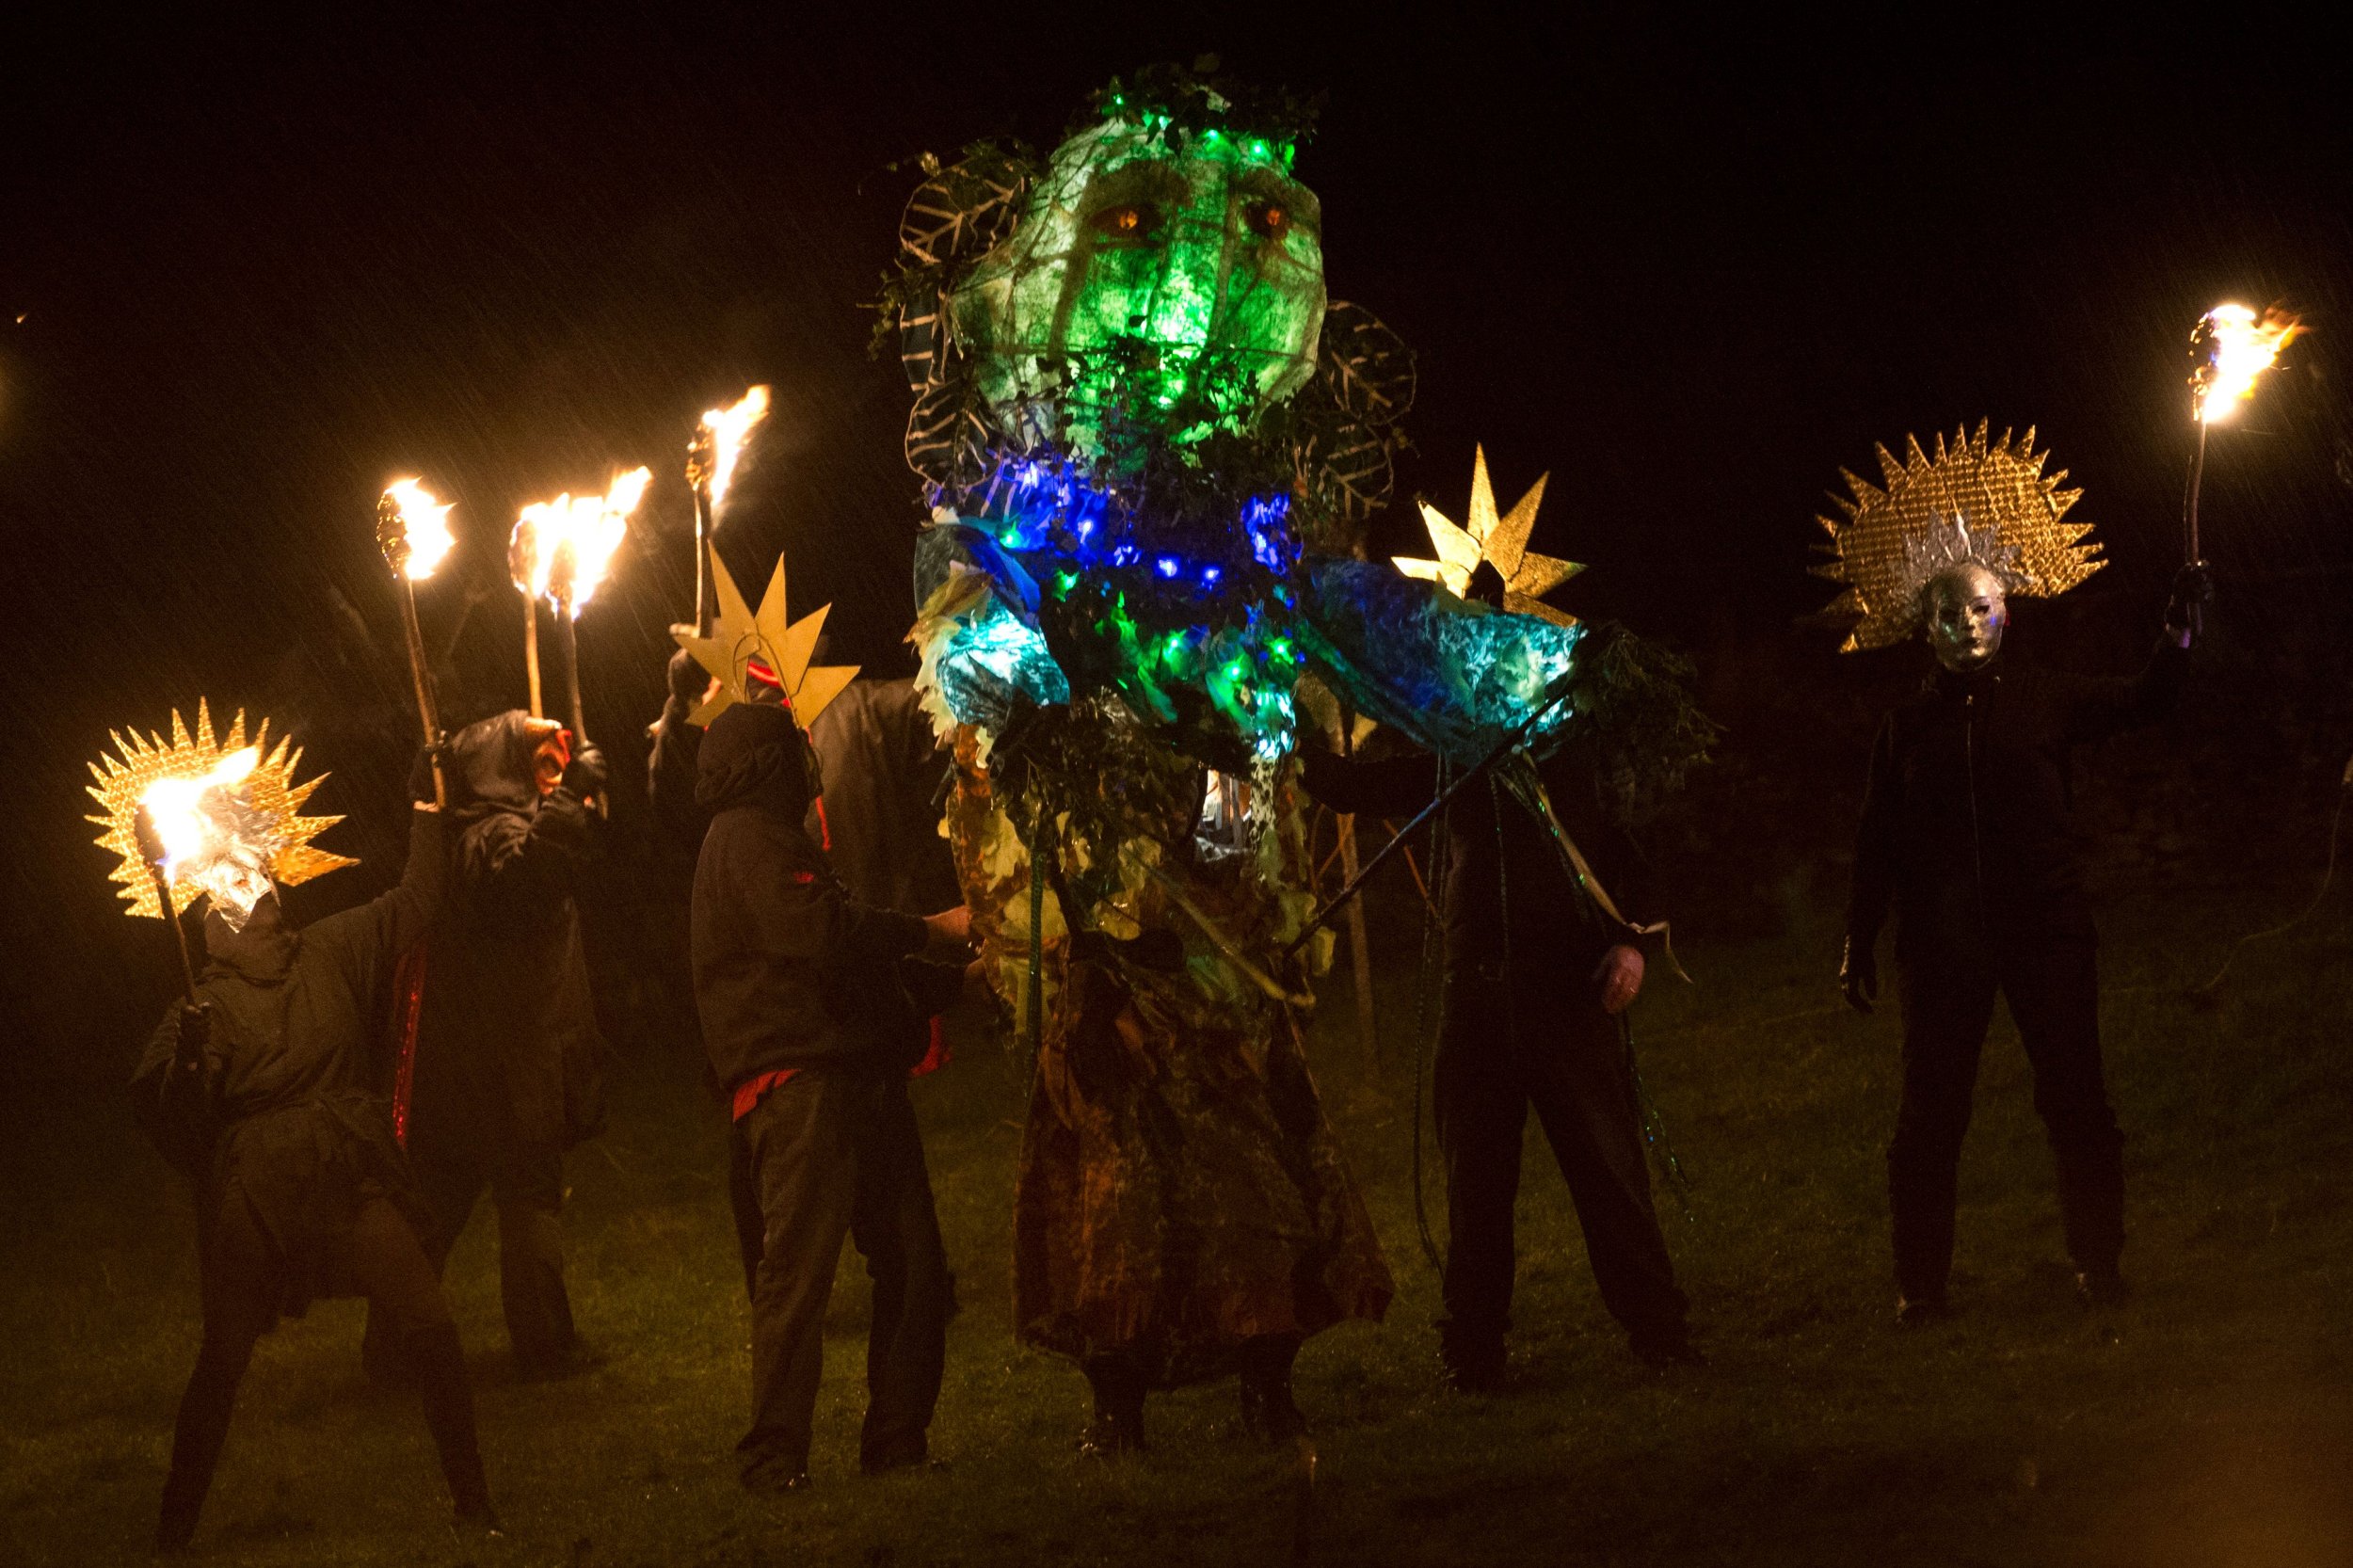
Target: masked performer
pixel 812 1007
pixel 270 1095
pixel 509 1063
pixel 1541 962
pixel 1968 834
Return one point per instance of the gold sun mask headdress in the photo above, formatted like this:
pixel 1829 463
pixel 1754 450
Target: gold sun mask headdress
pixel 1977 503
pixel 741 637
pixel 1500 540
pixel 229 815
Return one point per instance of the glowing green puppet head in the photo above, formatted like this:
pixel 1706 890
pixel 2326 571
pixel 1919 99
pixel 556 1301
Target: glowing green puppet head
pixel 1152 257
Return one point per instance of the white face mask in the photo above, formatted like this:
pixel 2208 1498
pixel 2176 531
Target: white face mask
pixel 1967 615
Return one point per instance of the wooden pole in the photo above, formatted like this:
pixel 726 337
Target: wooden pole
pixel 1359 948
pixel 570 639
pixel 531 649
pixel 428 716
pixel 150 844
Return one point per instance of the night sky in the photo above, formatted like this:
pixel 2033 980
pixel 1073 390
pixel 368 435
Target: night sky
pixel 247 275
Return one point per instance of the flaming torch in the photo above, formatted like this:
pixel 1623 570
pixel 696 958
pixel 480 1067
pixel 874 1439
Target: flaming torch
pixel 580 534
pixel 2230 349
pixel 712 458
pixel 412 530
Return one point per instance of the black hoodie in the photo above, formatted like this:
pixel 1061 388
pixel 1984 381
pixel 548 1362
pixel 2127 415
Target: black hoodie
pixel 289 1118
pixel 789 970
pixel 507 1041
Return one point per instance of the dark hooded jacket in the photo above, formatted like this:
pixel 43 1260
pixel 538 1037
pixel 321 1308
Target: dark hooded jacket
pixel 507 1037
pixel 791 970
pixel 882 770
pixel 291 1116
pixel 1968 814
pixel 1510 901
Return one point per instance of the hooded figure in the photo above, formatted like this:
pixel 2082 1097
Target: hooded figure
pixel 269 1095
pixel 509 1064
pixel 812 1007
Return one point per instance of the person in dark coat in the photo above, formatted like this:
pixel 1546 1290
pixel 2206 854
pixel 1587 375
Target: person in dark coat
pixel 812 1008
pixel 1969 837
pixel 269 1094
pixel 1536 978
pixel 509 1063
pixel 883 773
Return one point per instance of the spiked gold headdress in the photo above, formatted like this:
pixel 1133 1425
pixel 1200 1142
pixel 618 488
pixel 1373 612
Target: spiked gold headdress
pixel 743 638
pixel 1501 541
pixel 229 814
pixel 1976 502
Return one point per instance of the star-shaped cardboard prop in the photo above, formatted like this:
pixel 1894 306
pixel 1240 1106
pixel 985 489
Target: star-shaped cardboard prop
pixel 244 807
pixel 1501 542
pixel 743 637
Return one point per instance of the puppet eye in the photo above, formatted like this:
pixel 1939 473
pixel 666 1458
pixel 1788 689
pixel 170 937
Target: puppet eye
pixel 1131 222
pixel 1268 220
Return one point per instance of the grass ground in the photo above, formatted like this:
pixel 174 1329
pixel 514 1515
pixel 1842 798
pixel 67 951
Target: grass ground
pixel 2211 1423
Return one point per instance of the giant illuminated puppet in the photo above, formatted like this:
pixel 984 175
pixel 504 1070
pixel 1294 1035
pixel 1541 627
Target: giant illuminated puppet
pixel 1967 832
pixel 1150 443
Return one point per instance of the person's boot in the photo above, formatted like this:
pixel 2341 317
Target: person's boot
pixel 439 1365
pixel 1922 1310
pixel 1118 1425
pixel 2103 1290
pixel 1473 1364
pixel 1666 1346
pixel 1269 1412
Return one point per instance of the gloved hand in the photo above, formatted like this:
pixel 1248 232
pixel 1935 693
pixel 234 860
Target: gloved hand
pixel 688 678
pixel 584 776
pixel 195 1032
pixel 2193 592
pixel 1859 974
pixel 420 769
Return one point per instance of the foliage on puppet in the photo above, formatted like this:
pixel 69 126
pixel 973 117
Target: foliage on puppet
pixel 1150 445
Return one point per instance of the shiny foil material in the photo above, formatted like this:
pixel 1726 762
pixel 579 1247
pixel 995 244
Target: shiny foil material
pixel 1978 501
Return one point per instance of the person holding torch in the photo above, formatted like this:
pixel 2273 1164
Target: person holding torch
pixel 1968 835
pixel 267 1091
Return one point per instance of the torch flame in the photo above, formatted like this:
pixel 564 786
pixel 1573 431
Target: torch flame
pixel 2235 347
pixel 178 807
pixel 563 548
pixel 729 429
pixel 426 522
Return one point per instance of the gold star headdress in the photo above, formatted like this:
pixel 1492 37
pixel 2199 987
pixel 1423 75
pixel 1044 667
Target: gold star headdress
pixel 1978 502
pixel 1501 541
pixel 741 637
pixel 229 813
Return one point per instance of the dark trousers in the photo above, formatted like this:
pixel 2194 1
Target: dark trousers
pixel 389 1266
pixel 1568 1060
pixel 525 1182
pixel 2054 993
pixel 829 1155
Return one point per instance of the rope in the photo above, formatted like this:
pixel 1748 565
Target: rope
pixel 2328 876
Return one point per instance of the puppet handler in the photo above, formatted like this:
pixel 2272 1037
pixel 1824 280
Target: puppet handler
pixel 1544 955
pixel 1969 837
pixel 264 1086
